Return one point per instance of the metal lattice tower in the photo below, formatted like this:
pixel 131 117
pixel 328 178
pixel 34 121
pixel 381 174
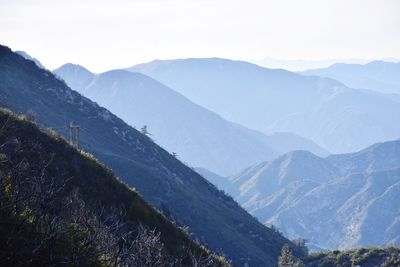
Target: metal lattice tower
pixel 74 134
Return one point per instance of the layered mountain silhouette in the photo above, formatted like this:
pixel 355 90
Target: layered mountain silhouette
pixel 159 177
pixel 381 76
pixel 341 201
pixel 198 136
pixel 321 109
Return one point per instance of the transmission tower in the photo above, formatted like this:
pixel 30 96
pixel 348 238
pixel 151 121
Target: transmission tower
pixel 74 135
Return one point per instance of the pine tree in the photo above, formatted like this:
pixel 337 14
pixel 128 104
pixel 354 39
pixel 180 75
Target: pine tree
pixel 287 259
pixel 144 130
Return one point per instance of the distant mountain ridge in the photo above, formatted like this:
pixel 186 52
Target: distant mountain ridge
pixel 161 179
pixel 198 136
pixel 28 57
pixel 380 76
pixel 321 109
pixel 302 65
pixel 342 201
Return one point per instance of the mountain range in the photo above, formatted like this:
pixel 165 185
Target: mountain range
pixel 379 76
pixel 187 198
pixel 303 65
pixel 198 136
pixel 274 100
pixel 341 201
pixel 337 201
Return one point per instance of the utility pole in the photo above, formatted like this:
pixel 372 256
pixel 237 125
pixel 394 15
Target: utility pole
pixel 74 132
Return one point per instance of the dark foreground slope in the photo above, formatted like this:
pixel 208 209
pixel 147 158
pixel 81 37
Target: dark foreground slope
pixel 165 182
pixel 58 205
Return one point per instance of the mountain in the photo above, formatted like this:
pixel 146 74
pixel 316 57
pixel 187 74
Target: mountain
pixel 380 156
pixel 50 185
pixel 216 179
pixel 354 210
pixel 380 76
pixel 159 177
pixel 341 201
pixel 197 135
pixel 302 65
pixel 320 109
pixel 76 76
pixel 28 57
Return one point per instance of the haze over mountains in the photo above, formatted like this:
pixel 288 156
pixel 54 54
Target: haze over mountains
pixel 303 65
pixel 159 177
pixel 336 201
pixel 198 136
pixel 349 188
pixel 383 77
pixel 321 109
pixel 341 201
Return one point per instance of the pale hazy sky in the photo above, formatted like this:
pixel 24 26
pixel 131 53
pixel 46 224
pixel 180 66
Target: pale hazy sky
pixel 107 34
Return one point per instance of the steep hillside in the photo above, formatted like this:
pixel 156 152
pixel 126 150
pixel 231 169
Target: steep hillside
pixel 380 76
pixel 321 109
pixel 350 211
pixel 380 156
pixel 198 136
pixel 341 201
pixel 164 181
pixel 271 186
pixel 41 173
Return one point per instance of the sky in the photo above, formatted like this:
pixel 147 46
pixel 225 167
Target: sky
pixel 103 35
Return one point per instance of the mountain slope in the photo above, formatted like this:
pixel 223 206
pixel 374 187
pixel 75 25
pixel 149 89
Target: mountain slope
pixel 320 109
pixel 76 76
pixel 198 136
pixel 341 201
pixel 28 153
pixel 380 156
pixel 274 185
pixel 355 210
pixel 28 57
pixel 377 75
pixel 165 182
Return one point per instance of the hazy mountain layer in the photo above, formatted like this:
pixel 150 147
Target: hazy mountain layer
pixel 341 201
pixel 165 182
pixel 28 57
pixel 198 136
pixel 326 111
pixel 380 76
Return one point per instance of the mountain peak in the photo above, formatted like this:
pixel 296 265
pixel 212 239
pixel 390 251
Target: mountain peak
pixel 76 76
pixel 71 67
